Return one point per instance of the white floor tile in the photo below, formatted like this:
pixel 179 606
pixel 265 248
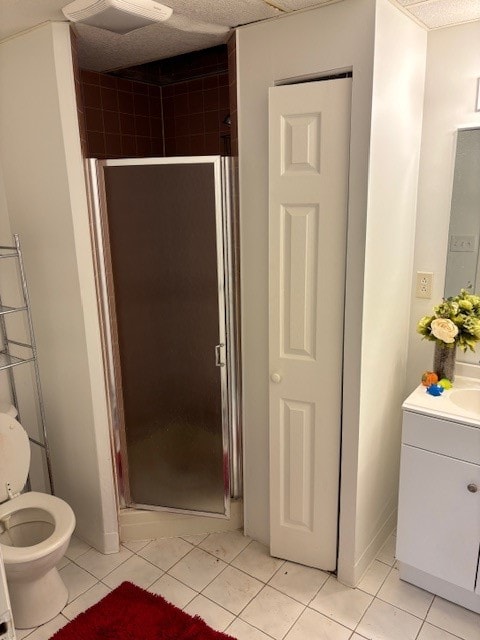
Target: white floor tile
pixel 197 569
pixel 215 616
pixel 256 560
pixel 86 600
pixel 195 539
pixel 384 622
pixel 76 548
pixel 342 604
pixel 233 589
pixel 429 632
pixel 313 626
pixel 243 631
pixel 20 634
pixel 387 552
pixel 135 545
pixel 100 564
pixel 405 596
pixel 276 611
pixel 225 545
pixel 455 619
pixel 76 580
pixel 136 570
pixel 63 563
pixel 47 630
pixel 272 612
pixel 298 582
pixel 165 552
pixel 374 577
pixel 173 591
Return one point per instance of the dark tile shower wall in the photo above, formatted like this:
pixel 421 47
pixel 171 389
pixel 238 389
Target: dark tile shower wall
pixel 123 118
pixel 195 115
pixel 160 108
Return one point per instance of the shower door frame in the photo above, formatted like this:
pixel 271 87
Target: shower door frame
pixel 228 322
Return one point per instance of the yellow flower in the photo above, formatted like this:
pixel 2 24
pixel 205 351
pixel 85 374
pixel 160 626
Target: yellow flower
pixel 465 304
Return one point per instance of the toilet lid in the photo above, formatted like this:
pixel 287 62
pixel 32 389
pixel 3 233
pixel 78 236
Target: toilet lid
pixel 6 407
pixel 14 454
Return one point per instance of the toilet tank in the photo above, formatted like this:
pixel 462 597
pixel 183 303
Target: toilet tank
pixel 7 632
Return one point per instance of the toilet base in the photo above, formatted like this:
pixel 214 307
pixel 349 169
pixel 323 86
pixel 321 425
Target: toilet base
pixel 37 601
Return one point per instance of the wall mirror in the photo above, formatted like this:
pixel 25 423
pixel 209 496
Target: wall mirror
pixel 463 264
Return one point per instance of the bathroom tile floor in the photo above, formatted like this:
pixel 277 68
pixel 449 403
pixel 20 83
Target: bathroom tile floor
pixel 233 584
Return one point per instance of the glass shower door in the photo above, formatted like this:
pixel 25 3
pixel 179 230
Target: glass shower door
pixel 163 223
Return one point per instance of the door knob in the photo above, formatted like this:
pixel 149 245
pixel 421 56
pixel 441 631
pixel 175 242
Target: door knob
pixel 472 488
pixel 276 377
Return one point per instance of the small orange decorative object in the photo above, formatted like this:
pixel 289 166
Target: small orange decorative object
pixel 428 378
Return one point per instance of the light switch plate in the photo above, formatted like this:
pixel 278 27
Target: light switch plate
pixel 463 243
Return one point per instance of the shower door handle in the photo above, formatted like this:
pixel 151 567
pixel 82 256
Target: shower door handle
pixel 218 355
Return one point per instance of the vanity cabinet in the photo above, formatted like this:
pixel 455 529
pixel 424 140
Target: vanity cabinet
pixel 438 535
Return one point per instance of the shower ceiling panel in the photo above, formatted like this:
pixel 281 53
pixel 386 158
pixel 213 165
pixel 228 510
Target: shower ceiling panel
pixel 102 50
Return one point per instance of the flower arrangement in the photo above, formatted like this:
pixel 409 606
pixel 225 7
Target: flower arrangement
pixel 456 321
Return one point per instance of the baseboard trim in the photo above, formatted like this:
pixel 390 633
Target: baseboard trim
pixel 352 575
pixel 105 543
pixel 371 552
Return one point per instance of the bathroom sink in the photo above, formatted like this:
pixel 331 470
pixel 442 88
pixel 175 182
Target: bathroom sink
pixel 467 399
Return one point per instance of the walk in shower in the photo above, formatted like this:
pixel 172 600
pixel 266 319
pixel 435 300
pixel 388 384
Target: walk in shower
pixel 165 259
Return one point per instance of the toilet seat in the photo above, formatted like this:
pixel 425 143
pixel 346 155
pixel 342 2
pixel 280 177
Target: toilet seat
pixel 35 530
pixel 15 455
pixel 61 513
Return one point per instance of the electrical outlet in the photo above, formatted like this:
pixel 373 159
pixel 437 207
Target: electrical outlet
pixel 424 284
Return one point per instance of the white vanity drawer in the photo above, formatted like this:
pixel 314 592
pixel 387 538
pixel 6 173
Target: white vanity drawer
pixel 441 436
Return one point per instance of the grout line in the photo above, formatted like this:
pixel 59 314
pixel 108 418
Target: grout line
pixel 444 630
pixel 375 595
pixel 401 608
pixel 293 597
pixel 262 589
pixel 363 616
pixel 213 602
pixel 431 605
pixel 420 630
pixel 263 583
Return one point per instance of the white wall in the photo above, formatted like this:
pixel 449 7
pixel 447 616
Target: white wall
pixel 382 181
pixel 46 196
pixel 5 239
pixel 398 89
pixel 453 66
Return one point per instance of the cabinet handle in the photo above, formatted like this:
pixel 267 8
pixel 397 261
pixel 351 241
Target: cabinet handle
pixel 472 488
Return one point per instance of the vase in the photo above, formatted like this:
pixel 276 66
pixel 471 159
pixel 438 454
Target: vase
pixel 444 360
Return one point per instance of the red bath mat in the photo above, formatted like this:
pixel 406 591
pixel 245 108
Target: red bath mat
pixel 131 613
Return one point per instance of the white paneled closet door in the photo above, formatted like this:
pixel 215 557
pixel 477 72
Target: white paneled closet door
pixel 309 132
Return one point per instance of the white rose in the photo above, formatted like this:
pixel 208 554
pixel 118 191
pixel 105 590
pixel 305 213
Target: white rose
pixel 444 329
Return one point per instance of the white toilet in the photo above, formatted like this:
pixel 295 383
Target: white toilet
pixel 35 530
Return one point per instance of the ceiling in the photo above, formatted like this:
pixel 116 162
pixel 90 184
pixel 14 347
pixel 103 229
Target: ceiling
pixel 102 50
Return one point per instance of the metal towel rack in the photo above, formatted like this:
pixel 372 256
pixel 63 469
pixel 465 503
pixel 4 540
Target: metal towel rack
pixel 8 361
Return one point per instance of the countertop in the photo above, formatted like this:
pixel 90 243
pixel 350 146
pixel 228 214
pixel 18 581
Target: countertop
pixel 419 401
